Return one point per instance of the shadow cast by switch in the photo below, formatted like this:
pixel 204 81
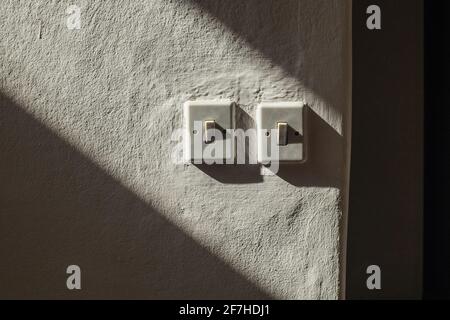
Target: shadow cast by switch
pixel 58 208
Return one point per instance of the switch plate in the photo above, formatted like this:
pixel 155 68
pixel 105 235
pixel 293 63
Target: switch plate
pixel 200 144
pixel 272 119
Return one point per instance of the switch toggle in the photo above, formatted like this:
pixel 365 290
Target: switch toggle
pixel 282 134
pixel 209 130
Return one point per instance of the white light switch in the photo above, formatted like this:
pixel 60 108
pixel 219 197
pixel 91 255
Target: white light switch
pixel 281 132
pixel 206 139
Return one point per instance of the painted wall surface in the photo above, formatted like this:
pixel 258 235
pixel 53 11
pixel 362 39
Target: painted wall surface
pixel 86 119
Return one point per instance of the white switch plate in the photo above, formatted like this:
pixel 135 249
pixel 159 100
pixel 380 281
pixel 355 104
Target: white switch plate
pixel 268 116
pixel 196 113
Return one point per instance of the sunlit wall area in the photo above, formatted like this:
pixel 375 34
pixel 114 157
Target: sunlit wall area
pixel 91 95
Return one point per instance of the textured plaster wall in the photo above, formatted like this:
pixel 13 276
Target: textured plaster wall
pixel 86 175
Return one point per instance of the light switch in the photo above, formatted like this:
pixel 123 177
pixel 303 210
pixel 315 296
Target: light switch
pixel 281 132
pixel 206 139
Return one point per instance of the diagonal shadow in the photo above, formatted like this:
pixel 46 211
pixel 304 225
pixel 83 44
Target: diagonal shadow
pixel 273 28
pixel 57 208
pixel 310 51
pixel 270 26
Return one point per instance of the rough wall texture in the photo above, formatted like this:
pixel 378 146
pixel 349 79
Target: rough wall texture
pixel 86 175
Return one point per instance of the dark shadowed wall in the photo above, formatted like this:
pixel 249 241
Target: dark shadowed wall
pixel 386 185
